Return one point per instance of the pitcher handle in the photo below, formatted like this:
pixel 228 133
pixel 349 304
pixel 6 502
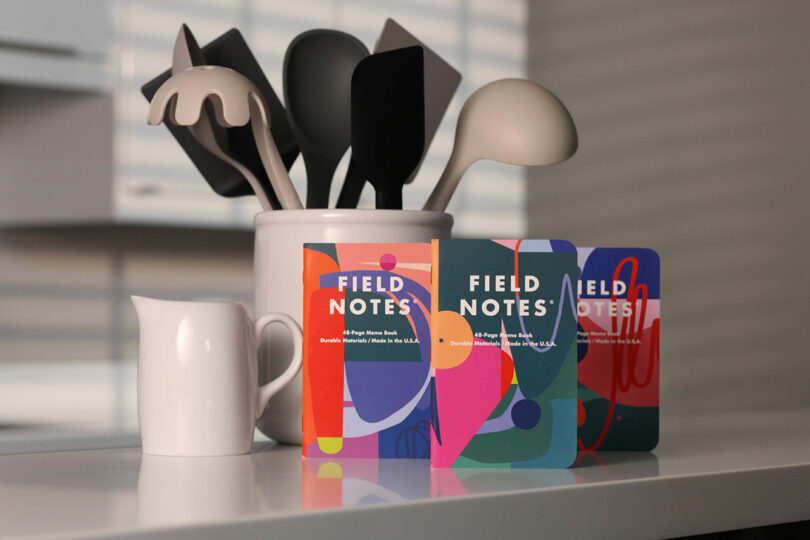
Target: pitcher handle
pixel 268 390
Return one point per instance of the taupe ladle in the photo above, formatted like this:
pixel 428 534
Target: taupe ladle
pixel 512 121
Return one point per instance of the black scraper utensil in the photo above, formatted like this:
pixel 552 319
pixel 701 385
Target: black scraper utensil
pixel 441 82
pixel 318 69
pixel 388 120
pixel 230 50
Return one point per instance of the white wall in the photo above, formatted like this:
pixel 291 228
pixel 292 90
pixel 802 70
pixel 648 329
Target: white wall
pixel 694 124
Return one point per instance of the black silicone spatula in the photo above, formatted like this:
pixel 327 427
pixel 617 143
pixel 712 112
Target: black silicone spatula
pixel 318 69
pixel 441 79
pixel 388 120
pixel 441 82
pixel 230 50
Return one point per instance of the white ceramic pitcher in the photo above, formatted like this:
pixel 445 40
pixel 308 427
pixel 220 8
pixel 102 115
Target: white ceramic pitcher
pixel 198 392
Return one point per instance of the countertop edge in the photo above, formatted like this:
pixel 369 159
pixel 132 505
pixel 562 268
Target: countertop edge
pixel 678 505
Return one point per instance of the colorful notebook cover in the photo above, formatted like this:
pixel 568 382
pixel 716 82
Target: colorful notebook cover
pixel 619 318
pixel 504 360
pixel 366 350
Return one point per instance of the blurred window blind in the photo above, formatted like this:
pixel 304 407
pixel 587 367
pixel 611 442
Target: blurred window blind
pixel 484 40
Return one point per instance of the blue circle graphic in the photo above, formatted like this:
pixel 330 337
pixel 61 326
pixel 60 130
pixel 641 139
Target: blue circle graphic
pixel 526 414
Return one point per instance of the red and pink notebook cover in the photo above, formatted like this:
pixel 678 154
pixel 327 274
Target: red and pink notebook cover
pixel 619 315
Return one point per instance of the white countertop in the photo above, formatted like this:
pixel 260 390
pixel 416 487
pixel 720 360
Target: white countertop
pixel 712 473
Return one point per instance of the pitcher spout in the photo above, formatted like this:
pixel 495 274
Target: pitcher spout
pixel 142 305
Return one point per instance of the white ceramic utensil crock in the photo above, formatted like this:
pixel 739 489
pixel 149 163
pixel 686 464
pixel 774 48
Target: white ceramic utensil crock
pixel 198 392
pixel 278 270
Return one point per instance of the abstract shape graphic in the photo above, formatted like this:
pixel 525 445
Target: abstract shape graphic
pixel 330 445
pixel 354 426
pixel 434 414
pixel 466 395
pixel 326 382
pixel 451 332
pixel 526 414
pixel 562 451
pixel 536 376
pixel 581 414
pixel 501 417
pixel 582 344
pixel 318 261
pixel 388 262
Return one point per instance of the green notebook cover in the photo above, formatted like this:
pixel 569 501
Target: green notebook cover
pixel 503 353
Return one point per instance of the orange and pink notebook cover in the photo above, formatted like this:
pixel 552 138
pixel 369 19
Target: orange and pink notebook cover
pixel 366 350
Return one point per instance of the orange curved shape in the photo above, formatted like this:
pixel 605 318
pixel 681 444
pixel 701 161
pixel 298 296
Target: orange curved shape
pixel 451 340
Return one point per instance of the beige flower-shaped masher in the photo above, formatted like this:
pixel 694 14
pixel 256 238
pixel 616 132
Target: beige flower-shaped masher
pixel 236 101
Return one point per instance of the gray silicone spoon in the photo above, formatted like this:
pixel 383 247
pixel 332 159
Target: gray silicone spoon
pixel 236 102
pixel 512 121
pixel 187 54
pixel 318 69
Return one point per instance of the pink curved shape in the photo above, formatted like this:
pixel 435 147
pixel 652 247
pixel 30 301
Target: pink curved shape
pixel 465 397
pixel 511 244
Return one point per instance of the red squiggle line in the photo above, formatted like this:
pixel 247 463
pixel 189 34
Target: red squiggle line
pixel 620 380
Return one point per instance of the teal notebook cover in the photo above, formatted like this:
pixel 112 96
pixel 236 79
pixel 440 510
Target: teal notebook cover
pixel 503 353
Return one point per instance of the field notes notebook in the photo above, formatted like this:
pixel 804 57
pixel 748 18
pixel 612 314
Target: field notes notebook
pixel 504 353
pixel 366 350
pixel 619 328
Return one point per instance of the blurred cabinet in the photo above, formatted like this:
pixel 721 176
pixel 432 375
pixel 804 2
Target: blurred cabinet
pixel 71 115
pixel 56 111
pixel 56 156
pixel 58 44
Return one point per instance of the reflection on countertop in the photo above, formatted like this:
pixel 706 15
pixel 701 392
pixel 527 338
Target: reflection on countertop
pixel 123 490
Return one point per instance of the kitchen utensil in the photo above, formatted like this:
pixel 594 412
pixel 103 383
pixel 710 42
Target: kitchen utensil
pixel 210 135
pixel 187 52
pixel 388 120
pixel 512 121
pixel 441 82
pixel 230 50
pixel 236 102
pixel 278 267
pixel 198 392
pixel 318 70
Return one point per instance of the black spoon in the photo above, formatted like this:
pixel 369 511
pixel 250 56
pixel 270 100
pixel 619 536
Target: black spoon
pixel 388 120
pixel 318 70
